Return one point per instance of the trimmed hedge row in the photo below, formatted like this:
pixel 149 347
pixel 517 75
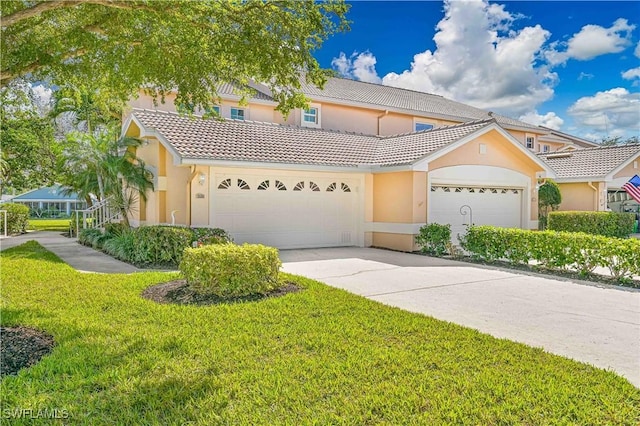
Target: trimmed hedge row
pixel 17 218
pixel 229 270
pixel 609 224
pixel 555 250
pixel 156 245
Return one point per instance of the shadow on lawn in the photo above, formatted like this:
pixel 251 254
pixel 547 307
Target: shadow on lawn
pixel 31 250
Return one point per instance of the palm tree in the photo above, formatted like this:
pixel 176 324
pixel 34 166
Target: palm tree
pixel 88 109
pixel 105 165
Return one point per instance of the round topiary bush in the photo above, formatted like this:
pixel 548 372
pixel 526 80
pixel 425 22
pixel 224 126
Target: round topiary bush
pixel 229 270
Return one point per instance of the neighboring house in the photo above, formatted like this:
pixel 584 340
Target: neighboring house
pixel 50 202
pixel 591 179
pixel 569 142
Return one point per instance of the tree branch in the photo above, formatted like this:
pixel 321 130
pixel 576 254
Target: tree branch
pixel 40 8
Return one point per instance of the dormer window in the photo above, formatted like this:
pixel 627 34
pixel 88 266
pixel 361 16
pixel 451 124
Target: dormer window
pixel 544 148
pixel 311 116
pixel 237 114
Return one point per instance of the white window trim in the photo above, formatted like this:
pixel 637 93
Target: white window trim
pixel 533 145
pixel 544 147
pixel 422 121
pixel 316 125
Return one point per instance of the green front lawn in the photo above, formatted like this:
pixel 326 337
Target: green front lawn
pixel 319 356
pixel 61 225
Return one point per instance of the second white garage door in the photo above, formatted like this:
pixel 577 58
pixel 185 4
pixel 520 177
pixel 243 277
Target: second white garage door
pixel 497 206
pixel 286 211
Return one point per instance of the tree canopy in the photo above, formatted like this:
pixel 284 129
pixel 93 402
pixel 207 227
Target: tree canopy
pixel 184 45
pixel 29 150
pixel 619 140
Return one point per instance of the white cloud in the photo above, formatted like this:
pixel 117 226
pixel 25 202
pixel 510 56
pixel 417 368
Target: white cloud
pixel 585 76
pixel 592 41
pixel 482 61
pixel 637 51
pixel 631 74
pixel 550 119
pixel 613 112
pixel 361 66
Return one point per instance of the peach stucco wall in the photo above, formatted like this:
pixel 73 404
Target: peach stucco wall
pixel 401 242
pixel 177 181
pixel 393 197
pixel 253 111
pixel 398 198
pixel 200 197
pixel 581 197
pixel 499 153
pixel 633 168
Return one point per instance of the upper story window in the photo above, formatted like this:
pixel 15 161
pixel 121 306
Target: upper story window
pixel 237 114
pixel 544 148
pixel 310 117
pixel 420 126
pixel 212 111
pixel 530 141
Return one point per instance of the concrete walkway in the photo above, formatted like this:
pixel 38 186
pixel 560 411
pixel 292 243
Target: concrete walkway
pixel 599 325
pixel 82 258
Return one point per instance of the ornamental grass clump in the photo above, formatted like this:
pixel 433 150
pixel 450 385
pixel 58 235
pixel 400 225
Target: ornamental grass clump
pixel 229 270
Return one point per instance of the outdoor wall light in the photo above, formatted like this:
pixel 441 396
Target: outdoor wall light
pixel 202 178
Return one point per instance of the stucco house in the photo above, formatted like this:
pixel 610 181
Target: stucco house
pixel 365 165
pixel 50 202
pixel 591 179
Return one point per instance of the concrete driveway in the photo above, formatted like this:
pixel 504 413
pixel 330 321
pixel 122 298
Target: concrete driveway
pixel 600 326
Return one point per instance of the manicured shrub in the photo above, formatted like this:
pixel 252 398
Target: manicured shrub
pixel 574 251
pixel 229 270
pixel 115 229
pixel 89 236
pixel 160 245
pixel 609 224
pixel 121 246
pixel 549 197
pixel 434 238
pixel 17 218
pixel 205 236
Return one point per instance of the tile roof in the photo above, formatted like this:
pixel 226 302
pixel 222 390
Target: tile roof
pixel 590 162
pixel 235 140
pixel 405 149
pixel 393 97
pixel 233 89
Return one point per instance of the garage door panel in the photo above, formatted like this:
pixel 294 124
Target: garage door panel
pixel 486 206
pixel 287 218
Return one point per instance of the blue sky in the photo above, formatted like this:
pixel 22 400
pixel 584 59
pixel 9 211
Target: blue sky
pixel 573 65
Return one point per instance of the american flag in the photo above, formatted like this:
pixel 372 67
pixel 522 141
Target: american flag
pixel 633 188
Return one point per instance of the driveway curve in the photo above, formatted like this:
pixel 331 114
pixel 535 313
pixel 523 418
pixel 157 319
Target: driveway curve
pixel 599 325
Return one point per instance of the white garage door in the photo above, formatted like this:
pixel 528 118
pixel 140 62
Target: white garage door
pixel 285 211
pixel 483 205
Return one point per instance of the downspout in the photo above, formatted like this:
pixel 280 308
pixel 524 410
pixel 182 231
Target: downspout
pixel 596 194
pixel 193 174
pixel 386 111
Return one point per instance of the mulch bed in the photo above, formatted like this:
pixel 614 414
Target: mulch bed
pixel 22 347
pixel 178 292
